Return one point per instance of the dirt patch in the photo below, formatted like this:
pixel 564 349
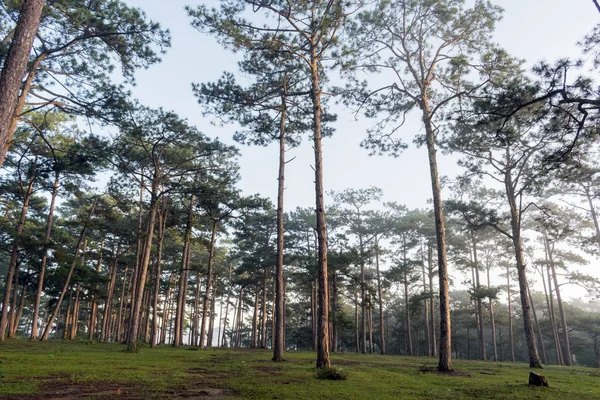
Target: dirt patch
pixel 61 390
pixel 433 370
pixel 97 390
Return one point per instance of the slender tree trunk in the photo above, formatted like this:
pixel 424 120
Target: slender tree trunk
pixel 69 275
pixel 426 309
pixel 143 270
pixel 121 305
pixel 104 332
pixel 515 222
pixel 263 321
pixel 334 306
pixel 432 308
pixel 357 340
pixel 481 329
pixel 162 222
pixel 370 324
pixel 15 325
pixel 313 308
pixel 539 330
pixel 179 313
pixel 70 304
pixel 492 320
pixel 322 276
pixel 510 317
pixel 139 249
pixel 254 336
pixel 209 279
pixel 12 265
pixel 380 299
pixel 409 343
pixel 94 305
pixel 211 322
pixel 445 357
pixel 568 357
pixel 552 318
pixel 40 287
pixel 224 337
pixel 278 334
pixel 14 67
pixel 75 323
pixel 594 214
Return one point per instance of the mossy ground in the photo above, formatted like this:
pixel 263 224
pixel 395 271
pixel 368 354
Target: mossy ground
pixel 77 370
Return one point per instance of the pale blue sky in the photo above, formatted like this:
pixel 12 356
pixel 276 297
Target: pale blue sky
pixel 530 29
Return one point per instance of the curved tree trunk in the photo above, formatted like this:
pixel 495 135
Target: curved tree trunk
pixel 69 275
pixel 40 287
pixel 515 222
pixel 14 68
pixel 445 356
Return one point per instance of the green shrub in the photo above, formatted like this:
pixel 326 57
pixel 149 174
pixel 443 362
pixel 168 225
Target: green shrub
pixel 332 374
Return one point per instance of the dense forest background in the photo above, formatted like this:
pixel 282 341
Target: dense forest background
pixel 122 221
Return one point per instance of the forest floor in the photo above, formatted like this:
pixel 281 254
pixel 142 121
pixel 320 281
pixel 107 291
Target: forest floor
pixel 87 370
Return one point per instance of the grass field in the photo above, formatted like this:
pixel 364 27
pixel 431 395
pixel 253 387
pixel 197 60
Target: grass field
pixel 79 370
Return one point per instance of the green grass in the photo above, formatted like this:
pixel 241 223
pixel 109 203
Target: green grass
pixel 91 370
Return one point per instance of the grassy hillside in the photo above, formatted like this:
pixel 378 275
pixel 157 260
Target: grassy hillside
pixel 80 370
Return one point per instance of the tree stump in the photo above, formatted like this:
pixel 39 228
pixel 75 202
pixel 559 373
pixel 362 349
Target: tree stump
pixel 537 380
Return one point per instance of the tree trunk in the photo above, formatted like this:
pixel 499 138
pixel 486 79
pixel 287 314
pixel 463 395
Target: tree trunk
pixel 357 340
pixel 334 306
pixel 254 336
pixel 407 317
pixel 40 287
pixel 15 325
pixel 224 337
pixel 14 68
pixel 75 317
pixel 263 321
pixel 515 222
pixel 539 330
pixel 209 279
pixel 122 304
pixel 181 298
pixel 69 275
pixel 492 319
pixel 139 249
pixel 109 297
pixel 594 215
pixel 380 300
pixel 481 329
pixel 12 265
pixel 94 305
pixel 552 317
pixel 432 302
pixel 162 222
pixel 143 270
pixel 278 342
pixel 510 318
pixel 426 309
pixel 567 356
pixel 445 357
pixel 322 276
